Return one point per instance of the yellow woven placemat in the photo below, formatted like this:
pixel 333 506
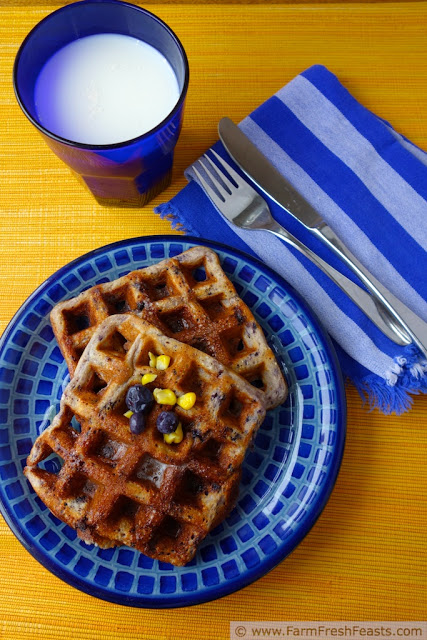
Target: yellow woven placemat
pixel 365 557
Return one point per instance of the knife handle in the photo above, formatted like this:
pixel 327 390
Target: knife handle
pixel 394 312
pixel 359 296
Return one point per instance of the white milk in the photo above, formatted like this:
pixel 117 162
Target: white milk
pixel 104 89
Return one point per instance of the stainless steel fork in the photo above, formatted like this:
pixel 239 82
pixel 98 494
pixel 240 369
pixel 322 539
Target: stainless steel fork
pixel 241 205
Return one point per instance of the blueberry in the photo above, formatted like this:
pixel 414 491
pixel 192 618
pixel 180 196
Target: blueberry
pixel 139 398
pixel 167 422
pixel 137 423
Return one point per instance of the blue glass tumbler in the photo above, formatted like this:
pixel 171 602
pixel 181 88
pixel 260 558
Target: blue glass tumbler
pixel 131 172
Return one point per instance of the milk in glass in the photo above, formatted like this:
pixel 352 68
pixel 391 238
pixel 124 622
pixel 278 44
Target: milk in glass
pixel 104 89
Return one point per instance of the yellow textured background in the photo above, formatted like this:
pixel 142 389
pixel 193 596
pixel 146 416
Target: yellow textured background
pixel 365 557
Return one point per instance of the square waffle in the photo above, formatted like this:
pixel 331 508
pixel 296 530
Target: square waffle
pixel 115 487
pixel 187 297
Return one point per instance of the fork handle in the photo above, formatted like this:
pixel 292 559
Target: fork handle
pixel 359 296
pixel 393 310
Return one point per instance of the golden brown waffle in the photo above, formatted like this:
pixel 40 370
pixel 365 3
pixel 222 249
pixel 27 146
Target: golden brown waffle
pixel 205 313
pixel 119 488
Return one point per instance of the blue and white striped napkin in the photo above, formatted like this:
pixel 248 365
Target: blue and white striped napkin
pixel 370 185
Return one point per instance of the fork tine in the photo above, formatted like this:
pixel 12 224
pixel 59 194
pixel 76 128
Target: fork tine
pixel 233 174
pixel 215 176
pixel 218 201
pixel 229 185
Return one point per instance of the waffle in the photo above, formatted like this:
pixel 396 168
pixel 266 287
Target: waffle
pixel 115 487
pixel 187 297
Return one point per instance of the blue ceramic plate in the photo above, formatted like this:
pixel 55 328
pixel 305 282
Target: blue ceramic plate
pixel 287 476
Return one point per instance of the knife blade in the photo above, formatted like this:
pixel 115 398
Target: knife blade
pixel 257 167
pixel 262 172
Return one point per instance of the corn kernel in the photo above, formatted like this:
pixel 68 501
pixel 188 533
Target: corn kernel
pixel 128 414
pixel 148 377
pixel 174 437
pixel 187 401
pixel 164 396
pixel 152 359
pixel 162 362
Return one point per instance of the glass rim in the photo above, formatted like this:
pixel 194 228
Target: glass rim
pixel 115 145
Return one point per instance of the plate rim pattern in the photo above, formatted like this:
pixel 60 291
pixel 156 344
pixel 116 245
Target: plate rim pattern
pixel 282 551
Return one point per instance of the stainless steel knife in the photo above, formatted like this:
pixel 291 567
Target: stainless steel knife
pixel 404 322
